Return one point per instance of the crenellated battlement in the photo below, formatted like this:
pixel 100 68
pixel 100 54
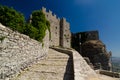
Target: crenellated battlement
pixel 59 28
pixel 64 19
pixel 55 15
pixel 58 18
pixel 43 9
pixel 50 12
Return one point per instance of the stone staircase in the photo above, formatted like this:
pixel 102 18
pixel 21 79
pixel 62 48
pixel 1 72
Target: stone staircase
pixel 56 66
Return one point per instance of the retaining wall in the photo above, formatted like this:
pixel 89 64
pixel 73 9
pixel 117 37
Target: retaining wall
pixel 108 73
pixel 18 51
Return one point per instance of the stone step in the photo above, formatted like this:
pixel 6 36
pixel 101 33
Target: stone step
pixel 56 66
pixel 55 69
pixel 57 57
pixel 58 54
pixel 57 63
pixel 52 59
pixel 50 76
pixel 53 52
pixel 44 76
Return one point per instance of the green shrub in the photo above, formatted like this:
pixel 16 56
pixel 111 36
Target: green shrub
pixel 11 18
pixel 39 22
pixel 16 21
pixel 31 31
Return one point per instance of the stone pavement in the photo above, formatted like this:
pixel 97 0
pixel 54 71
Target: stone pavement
pixel 56 66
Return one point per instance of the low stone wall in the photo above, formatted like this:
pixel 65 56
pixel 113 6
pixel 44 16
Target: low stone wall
pixel 82 70
pixel 108 73
pixel 18 51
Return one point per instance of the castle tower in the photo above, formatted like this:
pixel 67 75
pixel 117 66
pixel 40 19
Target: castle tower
pixel 65 34
pixel 59 29
pixel 43 9
pixel 54 27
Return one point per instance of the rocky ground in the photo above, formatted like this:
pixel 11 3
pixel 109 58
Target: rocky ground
pixel 96 51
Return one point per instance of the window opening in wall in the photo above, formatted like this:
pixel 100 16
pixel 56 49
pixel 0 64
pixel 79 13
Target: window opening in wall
pixel 47 15
pixel 55 32
pixel 67 40
pixel 56 27
pixel 68 35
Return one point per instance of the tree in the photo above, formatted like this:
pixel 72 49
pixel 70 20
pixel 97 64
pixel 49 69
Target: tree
pixel 40 23
pixel 16 21
pixel 11 18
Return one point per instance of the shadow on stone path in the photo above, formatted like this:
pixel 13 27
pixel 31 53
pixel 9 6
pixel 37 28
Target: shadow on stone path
pixel 69 73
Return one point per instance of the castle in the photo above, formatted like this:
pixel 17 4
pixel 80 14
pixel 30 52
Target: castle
pixel 86 43
pixel 91 47
pixel 18 52
pixel 60 30
pixel 81 37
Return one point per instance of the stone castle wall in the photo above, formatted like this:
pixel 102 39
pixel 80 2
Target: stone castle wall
pixel 18 51
pixel 60 30
pixel 54 27
pixel 81 37
pixel 89 45
pixel 65 33
pixel 91 35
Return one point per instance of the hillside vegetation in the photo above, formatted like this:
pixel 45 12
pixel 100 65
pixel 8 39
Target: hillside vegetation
pixel 16 21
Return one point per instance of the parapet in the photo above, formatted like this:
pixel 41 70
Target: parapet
pixel 58 18
pixel 54 15
pixel 64 19
pixel 43 9
pixel 50 12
